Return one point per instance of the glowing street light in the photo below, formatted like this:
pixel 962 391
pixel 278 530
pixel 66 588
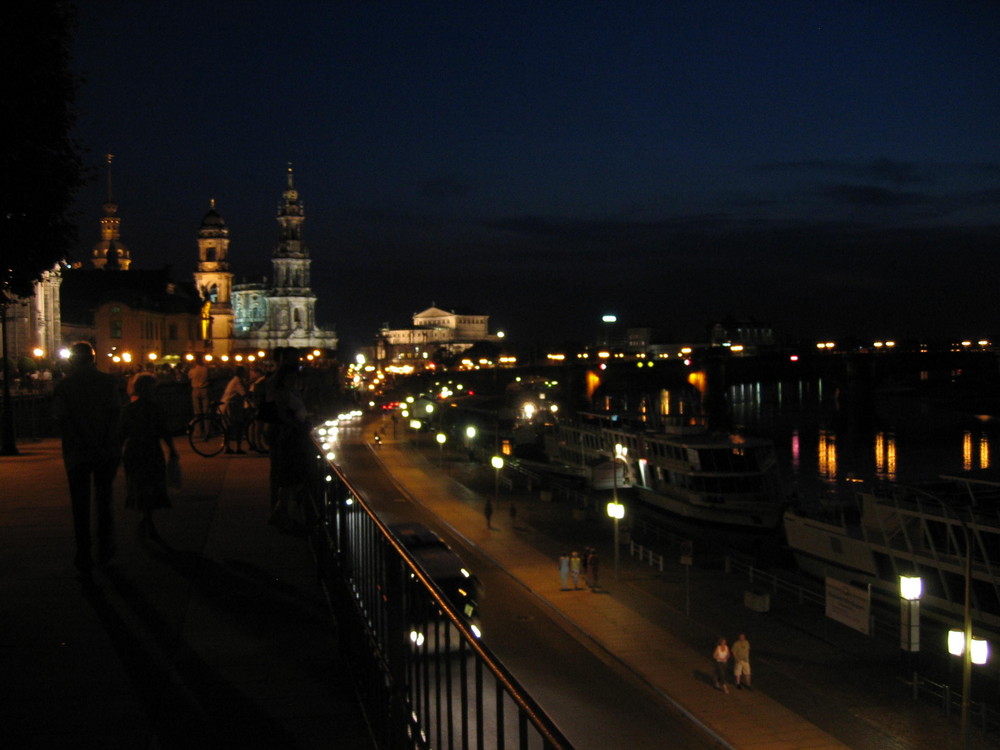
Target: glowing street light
pixel 615 509
pixel 470 436
pixel 441 440
pixel 960 642
pixel 910 590
pixel 497 463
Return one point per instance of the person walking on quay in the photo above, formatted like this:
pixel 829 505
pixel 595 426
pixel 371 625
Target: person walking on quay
pixel 593 568
pixel 488 512
pixel 143 428
pixel 564 571
pixel 575 566
pixel 513 515
pixel 741 661
pixel 721 658
pixel 87 405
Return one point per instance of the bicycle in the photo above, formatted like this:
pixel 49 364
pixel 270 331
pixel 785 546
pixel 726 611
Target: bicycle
pixel 207 432
pixel 257 433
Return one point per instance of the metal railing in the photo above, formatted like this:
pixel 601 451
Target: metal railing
pixel 423 677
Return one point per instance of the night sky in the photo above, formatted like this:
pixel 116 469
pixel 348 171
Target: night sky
pixel 831 168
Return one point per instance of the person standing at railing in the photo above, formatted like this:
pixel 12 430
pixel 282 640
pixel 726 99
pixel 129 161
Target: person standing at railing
pixel 292 448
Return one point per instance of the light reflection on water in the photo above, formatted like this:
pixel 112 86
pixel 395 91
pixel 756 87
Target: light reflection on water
pixel 825 444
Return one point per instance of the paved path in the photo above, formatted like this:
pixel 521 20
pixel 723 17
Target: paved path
pixel 219 637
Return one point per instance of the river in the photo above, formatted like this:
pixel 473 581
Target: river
pixel 825 443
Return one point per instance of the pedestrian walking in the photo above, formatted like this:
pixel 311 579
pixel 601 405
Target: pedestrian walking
pixel 143 429
pixel 721 658
pixel 87 405
pixel 564 571
pixel 593 568
pixel 741 662
pixel 488 512
pixel 575 567
pixel 513 515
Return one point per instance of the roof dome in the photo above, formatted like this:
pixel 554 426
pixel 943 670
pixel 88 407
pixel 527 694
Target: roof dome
pixel 212 218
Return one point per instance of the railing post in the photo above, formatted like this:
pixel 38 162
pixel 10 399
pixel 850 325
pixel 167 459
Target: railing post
pixel 398 713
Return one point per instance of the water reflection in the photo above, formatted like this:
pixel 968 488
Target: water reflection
pixel 825 444
pixel 885 456
pixel 975 451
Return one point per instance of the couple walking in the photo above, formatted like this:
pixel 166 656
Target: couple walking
pixel 571 567
pixel 740 654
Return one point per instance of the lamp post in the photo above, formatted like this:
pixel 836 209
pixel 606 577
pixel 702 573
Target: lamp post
pixel 960 642
pixel 497 463
pixel 441 440
pixel 615 509
pixel 910 589
pixel 470 435
pixel 617 512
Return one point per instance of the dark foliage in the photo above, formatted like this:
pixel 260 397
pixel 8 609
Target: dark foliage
pixel 41 164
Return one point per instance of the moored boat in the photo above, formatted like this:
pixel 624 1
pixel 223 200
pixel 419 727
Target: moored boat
pixel 931 530
pixel 683 467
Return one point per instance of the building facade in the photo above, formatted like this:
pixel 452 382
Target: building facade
pixel 434 330
pixel 214 281
pixel 282 313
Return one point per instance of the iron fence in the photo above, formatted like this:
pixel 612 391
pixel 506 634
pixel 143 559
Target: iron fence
pixel 424 679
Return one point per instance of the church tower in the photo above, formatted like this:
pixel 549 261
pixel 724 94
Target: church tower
pixel 110 253
pixel 291 303
pixel 214 280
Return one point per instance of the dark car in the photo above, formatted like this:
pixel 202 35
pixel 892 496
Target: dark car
pixel 440 563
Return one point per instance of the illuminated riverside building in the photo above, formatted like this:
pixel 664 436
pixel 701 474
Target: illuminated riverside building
pixel 434 331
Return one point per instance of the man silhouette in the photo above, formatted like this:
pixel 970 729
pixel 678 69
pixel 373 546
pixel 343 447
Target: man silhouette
pixel 87 405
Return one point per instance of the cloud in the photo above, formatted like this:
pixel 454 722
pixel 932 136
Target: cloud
pixel 872 196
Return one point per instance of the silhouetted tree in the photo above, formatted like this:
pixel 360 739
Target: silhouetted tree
pixel 41 163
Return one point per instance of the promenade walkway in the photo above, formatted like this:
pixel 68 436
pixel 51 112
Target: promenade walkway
pixel 217 637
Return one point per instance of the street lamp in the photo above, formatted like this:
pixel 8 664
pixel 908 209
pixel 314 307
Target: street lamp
pixel 441 440
pixel 470 436
pixel 617 512
pixel 615 509
pixel 497 463
pixel 910 589
pixel 960 642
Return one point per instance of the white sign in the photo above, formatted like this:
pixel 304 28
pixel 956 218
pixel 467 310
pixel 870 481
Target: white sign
pixel 849 605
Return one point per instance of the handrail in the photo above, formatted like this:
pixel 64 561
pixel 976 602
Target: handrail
pixel 332 514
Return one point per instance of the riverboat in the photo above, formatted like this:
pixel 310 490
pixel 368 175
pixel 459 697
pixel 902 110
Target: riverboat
pixel 933 530
pixel 681 467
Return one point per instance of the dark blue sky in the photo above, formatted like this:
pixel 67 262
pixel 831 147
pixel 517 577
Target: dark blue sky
pixel 831 167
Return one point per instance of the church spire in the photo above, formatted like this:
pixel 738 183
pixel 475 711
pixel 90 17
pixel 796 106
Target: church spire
pixel 291 214
pixel 110 253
